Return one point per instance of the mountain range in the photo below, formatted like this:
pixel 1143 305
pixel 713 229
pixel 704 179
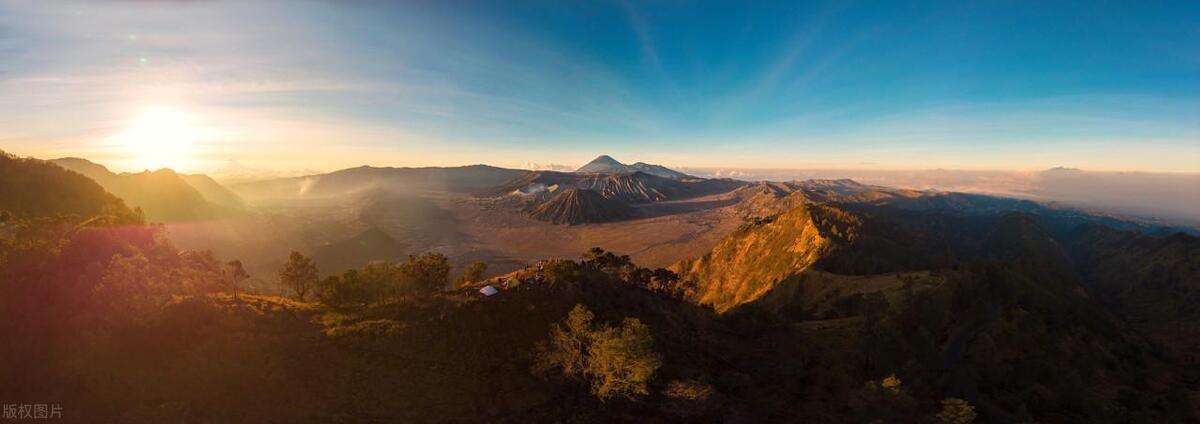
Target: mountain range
pixel 163 195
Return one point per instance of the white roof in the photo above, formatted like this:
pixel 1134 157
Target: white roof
pixel 489 290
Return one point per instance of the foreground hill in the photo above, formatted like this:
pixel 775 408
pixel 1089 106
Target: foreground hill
pixel 32 188
pixel 1153 281
pixel 163 195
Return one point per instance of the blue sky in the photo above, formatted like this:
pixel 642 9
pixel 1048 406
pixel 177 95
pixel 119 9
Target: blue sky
pixel 323 85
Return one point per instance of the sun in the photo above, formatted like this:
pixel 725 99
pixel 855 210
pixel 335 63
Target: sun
pixel 160 137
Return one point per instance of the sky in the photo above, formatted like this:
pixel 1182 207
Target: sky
pixel 204 86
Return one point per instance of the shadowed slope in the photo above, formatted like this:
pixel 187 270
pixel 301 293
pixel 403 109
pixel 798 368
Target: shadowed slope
pixel 31 187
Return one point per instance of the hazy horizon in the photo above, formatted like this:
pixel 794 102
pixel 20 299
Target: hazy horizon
pixel 323 86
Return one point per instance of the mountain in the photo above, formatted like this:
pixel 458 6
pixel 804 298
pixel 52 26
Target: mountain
pixel 33 188
pixel 936 290
pixel 659 170
pixel 605 164
pixel 213 191
pixel 848 228
pixel 578 206
pixel 460 179
pixel 370 245
pixel 758 256
pixel 163 195
pixel 633 188
pixel 1151 280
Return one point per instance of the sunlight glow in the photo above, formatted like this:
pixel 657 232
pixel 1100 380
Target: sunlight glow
pixel 161 138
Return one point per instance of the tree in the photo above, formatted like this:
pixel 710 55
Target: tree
pixel 956 411
pixel 426 273
pixel 299 274
pixel 617 361
pixel 569 343
pixel 621 360
pixel 663 280
pixel 379 280
pixel 561 271
pixel 474 272
pixel 237 274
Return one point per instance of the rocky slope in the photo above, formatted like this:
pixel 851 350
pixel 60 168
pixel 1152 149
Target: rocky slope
pixel 578 206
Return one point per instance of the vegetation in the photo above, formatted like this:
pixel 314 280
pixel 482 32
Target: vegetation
pixel 474 272
pixel 956 411
pixel 379 281
pixel 618 361
pixel 299 274
pixel 35 188
pixel 236 274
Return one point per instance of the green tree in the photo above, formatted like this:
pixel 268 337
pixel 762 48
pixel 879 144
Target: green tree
pixel 426 273
pixel 622 360
pixel 474 272
pixel 562 271
pixel 956 411
pixel 569 343
pixel 617 361
pixel 299 274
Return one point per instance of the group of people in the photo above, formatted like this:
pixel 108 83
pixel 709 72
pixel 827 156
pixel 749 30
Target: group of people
pixel 511 282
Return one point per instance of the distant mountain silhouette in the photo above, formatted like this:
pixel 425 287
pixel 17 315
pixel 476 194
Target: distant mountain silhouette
pixel 163 195
pixel 464 179
pixel 605 164
pixel 372 244
pixel 579 206
pixel 213 191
